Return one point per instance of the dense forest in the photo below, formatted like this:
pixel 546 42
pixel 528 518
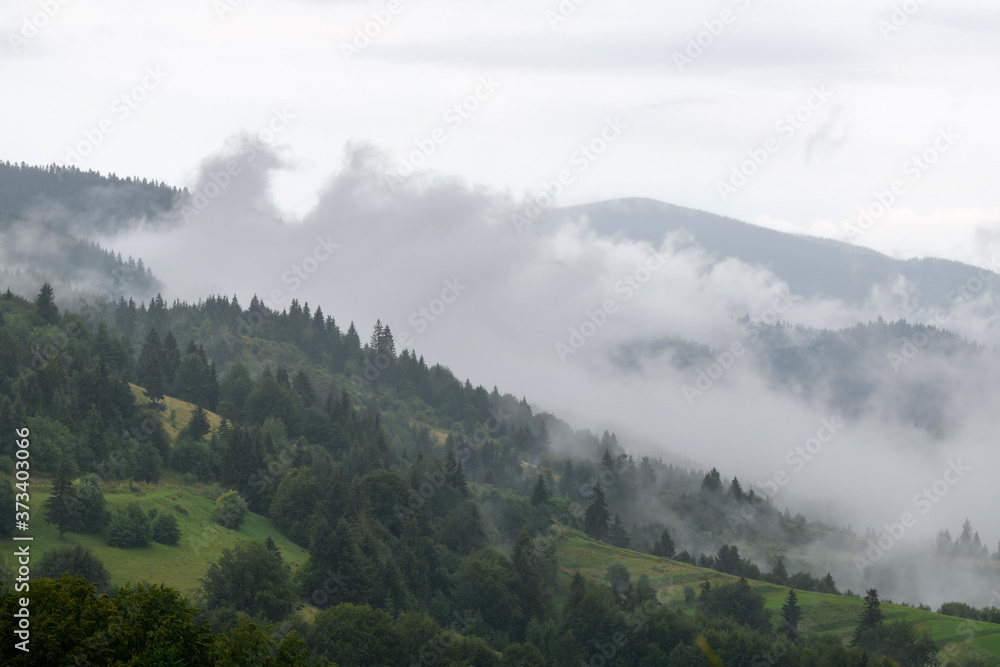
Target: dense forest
pixel 429 508
pixel 83 203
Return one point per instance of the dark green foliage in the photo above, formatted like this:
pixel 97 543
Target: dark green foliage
pixel 355 635
pixel 898 641
pixel 871 615
pixel 540 495
pixel 198 426
pixel 48 313
pixel 617 534
pixel 738 602
pixel 60 507
pixel 664 547
pixel 778 575
pixel 7 508
pixel 65 614
pixel 250 578
pixel 129 528
pixel 165 530
pixel 791 613
pixel 76 561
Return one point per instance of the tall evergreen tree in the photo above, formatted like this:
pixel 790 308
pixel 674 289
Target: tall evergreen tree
pixel 540 495
pixel 150 367
pixel 595 519
pixel 46 304
pixel 664 547
pixel 779 575
pixel 871 615
pixel 60 507
pixel 792 613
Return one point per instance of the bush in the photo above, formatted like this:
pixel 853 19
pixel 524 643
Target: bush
pixel 166 531
pixel 77 561
pixel 230 510
pixel 130 527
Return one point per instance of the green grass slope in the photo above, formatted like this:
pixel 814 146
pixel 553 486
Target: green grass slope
pixel 202 540
pixel 180 567
pixel 822 614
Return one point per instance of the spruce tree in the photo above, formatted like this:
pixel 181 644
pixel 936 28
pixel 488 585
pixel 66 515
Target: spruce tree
pixel 595 519
pixel 60 507
pixel 871 615
pixel 792 613
pixel 541 494
pixel 46 305
pixel 664 547
pixel 779 575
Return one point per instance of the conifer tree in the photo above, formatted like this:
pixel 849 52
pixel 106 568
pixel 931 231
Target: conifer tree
pixel 792 613
pixel 871 615
pixel 540 495
pixel 59 508
pixel 595 519
pixel 664 547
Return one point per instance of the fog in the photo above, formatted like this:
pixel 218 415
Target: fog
pixel 545 311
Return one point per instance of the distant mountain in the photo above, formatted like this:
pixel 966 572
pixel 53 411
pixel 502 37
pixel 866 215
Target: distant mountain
pixel 83 203
pixel 812 267
pixel 51 217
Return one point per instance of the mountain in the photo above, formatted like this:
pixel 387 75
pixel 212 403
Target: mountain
pixel 812 266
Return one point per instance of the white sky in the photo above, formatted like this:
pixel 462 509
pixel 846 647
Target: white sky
pixel 230 63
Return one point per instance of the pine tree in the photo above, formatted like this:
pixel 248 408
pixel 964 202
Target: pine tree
pixel 60 507
pixel 617 534
pixel 150 367
pixel 46 305
pixel 595 519
pixel 792 613
pixel 871 615
pixel 198 427
pixel 736 490
pixel 541 494
pixel 779 575
pixel 712 482
pixel 375 341
pixel 664 547
pixel 529 582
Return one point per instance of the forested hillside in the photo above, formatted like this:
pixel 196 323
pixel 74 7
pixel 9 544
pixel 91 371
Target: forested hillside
pixel 434 514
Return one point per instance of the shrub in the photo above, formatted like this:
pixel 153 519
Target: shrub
pixel 77 561
pixel 166 531
pixel 130 527
pixel 230 510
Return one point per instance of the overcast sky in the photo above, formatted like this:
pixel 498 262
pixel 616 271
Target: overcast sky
pixel 699 88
